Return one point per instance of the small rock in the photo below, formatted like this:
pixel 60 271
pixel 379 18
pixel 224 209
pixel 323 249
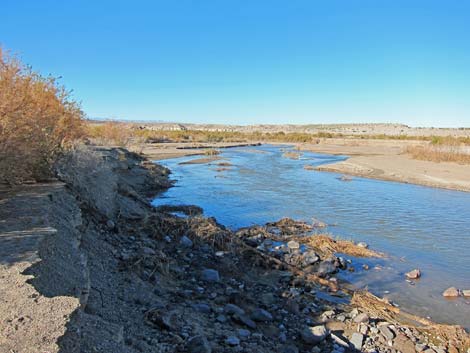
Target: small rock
pixel 362 317
pixel 466 293
pixel 198 344
pixel 186 242
pixel 414 274
pixel 232 341
pixel 362 245
pixel 293 244
pixel 313 335
pixel 328 314
pixel 221 318
pixel 388 334
pixel 451 292
pixel 261 315
pixel 339 341
pixel 245 320
pixel 209 275
pixel 356 340
pixel 326 267
pixel 420 347
pixel 309 258
pixel 243 333
pixel 354 312
pixel 318 224
pixel 233 309
pixel 110 224
pixel 202 307
pixel 148 251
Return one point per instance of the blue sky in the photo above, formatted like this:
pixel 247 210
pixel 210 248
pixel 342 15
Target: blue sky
pixel 253 61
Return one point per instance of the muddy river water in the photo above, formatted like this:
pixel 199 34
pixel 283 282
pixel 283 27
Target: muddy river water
pixel 416 226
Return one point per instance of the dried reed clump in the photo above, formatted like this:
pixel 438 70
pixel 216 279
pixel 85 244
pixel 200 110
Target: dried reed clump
pixel 38 119
pixel 328 245
pixel 441 150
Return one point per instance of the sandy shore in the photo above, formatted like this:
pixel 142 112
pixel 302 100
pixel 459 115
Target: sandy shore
pixel 386 160
pixel 159 151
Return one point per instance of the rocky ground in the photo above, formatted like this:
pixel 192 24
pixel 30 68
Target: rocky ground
pixel 153 280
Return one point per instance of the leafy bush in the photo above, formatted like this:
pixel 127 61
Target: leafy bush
pixel 38 119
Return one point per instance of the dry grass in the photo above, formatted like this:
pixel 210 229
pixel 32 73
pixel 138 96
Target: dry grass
pixel 440 153
pixel 111 133
pixel 328 245
pixel 38 119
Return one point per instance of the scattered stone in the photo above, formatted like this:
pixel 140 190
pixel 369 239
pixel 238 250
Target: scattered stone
pixel 186 242
pixel 386 332
pixel 328 314
pixel 198 344
pixel 363 328
pixel 245 320
pixel 110 224
pixel 326 267
pixel 356 340
pixel 233 309
pixel 232 341
pixel 466 292
pixel 362 244
pixel 243 333
pixel 362 317
pixel 221 318
pixel 414 274
pixel 353 313
pixel 148 251
pixel 365 267
pixel 293 244
pixel 318 224
pixel 339 341
pixel 309 258
pixel 261 315
pixel 314 335
pixel 202 307
pixel 451 292
pixel 210 275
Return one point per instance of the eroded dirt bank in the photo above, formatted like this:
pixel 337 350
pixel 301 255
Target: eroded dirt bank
pixel 113 274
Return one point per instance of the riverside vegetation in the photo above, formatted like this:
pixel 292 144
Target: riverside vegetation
pixel 430 148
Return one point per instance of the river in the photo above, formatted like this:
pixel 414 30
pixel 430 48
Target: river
pixel 418 227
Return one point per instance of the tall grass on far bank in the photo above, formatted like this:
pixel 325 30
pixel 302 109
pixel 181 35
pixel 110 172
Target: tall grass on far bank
pixel 441 150
pixel 38 119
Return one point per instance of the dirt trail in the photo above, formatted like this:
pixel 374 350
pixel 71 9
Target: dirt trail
pixel 31 319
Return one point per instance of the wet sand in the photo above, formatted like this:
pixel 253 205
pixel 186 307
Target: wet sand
pixel 387 160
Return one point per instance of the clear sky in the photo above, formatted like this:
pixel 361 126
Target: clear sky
pixel 253 61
